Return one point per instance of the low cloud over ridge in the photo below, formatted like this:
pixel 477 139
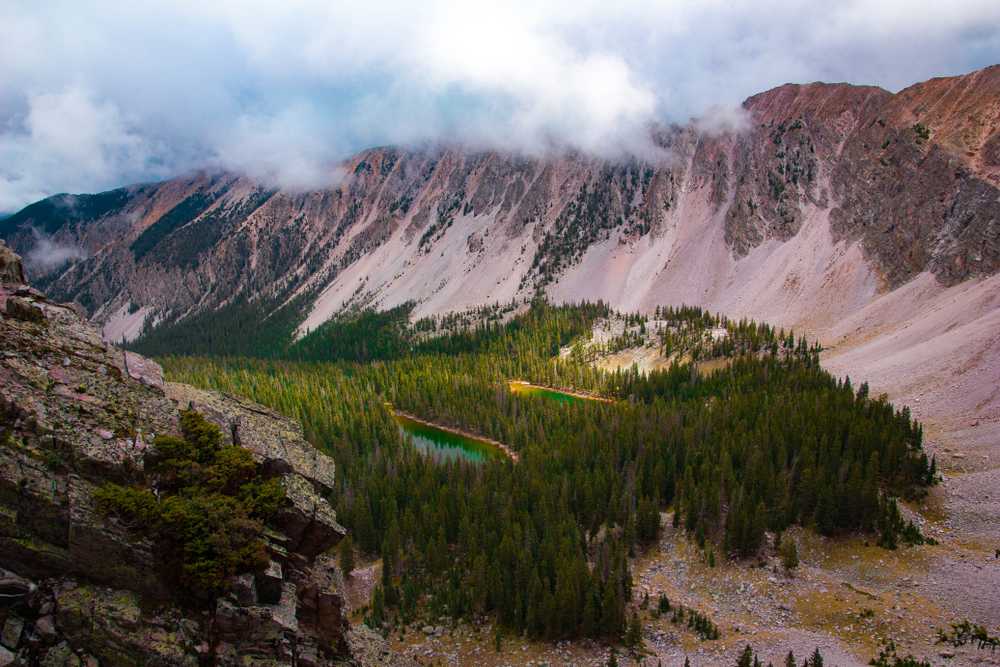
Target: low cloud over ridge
pixel 101 94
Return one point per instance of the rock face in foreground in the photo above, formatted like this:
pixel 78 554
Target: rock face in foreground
pixel 75 414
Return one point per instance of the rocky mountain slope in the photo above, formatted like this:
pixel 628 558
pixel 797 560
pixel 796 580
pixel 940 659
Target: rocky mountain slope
pixel 868 218
pixel 78 588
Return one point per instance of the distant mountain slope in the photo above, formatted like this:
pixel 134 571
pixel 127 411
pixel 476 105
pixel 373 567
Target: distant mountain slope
pixel 833 198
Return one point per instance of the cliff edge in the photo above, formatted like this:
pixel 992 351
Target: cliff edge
pixel 76 587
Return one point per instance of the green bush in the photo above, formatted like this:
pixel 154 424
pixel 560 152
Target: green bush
pixel 206 523
pixel 132 506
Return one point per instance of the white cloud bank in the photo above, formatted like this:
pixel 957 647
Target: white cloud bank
pixel 49 254
pixel 95 95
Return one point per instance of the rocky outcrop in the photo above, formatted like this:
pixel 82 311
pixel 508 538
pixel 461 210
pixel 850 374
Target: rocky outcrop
pixel 83 590
pixel 71 418
pixel 11 269
pixel 909 175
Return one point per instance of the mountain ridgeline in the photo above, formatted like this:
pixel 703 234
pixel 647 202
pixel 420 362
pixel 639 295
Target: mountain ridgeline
pixel 908 180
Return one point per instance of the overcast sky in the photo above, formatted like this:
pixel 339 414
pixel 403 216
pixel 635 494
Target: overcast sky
pixel 98 94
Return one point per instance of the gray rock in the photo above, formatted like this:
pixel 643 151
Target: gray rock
pixel 269 584
pixel 109 625
pixel 18 589
pixel 319 611
pixel 11 635
pixel 285 611
pixel 245 590
pixel 45 628
pixel 11 268
pixel 6 657
pixel 60 656
pixel 24 310
pixel 277 444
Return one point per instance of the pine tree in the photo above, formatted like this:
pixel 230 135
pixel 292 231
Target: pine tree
pixel 634 635
pixel 611 620
pixel 745 658
pixel 789 554
pixel 346 557
pixel 589 624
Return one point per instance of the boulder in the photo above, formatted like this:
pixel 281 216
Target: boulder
pixel 275 441
pixel 45 628
pixel 11 634
pixel 308 656
pixel 230 621
pixel 18 589
pixel 307 519
pixel 307 522
pixel 60 656
pixel 6 657
pixel 11 267
pixel 24 310
pixel 256 635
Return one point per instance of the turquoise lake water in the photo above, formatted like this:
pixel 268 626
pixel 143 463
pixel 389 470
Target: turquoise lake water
pixel 443 444
pixel 549 394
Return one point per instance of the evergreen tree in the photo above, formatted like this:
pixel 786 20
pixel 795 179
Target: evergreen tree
pixel 633 637
pixel 789 554
pixel 346 557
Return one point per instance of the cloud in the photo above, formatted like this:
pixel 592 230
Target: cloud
pixel 68 141
pixel 719 120
pixel 48 254
pixel 98 94
pixel 281 150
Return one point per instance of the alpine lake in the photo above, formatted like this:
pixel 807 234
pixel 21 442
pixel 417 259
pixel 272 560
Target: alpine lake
pixel 526 389
pixel 443 444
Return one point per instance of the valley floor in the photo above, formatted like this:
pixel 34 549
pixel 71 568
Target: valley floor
pixel 846 598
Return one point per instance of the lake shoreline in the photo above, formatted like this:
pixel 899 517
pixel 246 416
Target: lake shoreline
pixel 575 394
pixel 511 454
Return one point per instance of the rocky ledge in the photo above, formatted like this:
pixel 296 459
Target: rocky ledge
pixel 76 588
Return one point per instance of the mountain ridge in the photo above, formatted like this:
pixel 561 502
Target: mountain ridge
pixel 832 198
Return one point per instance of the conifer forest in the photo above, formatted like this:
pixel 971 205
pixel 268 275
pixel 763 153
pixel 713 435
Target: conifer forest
pixel 542 545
